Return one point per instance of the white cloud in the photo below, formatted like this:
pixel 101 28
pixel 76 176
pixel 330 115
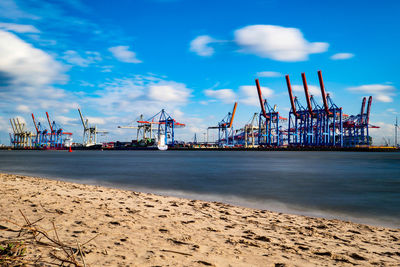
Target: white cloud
pixel 86 84
pixel 9 9
pixel 383 98
pixel 226 95
pixel 269 74
pixel 248 94
pixel 140 94
pixel 381 92
pixel 122 53
pixel 312 89
pixel 393 111
pixel 64 120
pixel 342 56
pixel 277 43
pixel 96 120
pixel 74 58
pixel 27 78
pixel 20 28
pixel 200 45
pixel 23 108
pixel 383 134
pixel 372 88
pixel 24 65
pixel 167 91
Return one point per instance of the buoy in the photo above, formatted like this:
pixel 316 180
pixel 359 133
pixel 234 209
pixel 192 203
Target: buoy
pixel 70 149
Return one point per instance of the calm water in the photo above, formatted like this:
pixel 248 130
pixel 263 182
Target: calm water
pixel 363 187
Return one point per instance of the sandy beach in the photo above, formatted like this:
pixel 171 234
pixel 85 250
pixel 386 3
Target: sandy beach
pixel 111 227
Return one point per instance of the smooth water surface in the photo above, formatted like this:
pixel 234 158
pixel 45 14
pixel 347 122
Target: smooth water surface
pixel 359 186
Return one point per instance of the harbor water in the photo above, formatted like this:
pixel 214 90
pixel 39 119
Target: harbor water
pixel 358 186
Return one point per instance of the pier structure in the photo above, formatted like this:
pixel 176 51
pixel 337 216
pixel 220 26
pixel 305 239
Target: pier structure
pixel 226 136
pixel 269 130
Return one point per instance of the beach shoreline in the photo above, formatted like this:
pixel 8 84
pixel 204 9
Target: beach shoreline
pixel 144 229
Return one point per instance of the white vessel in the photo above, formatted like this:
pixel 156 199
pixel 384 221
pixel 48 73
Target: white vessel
pixel 161 143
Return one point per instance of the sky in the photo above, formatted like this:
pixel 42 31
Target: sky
pixel 116 60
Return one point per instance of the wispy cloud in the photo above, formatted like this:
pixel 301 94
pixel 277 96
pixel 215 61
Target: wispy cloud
pixel 38 68
pixel 342 56
pixel 19 28
pixel 139 94
pixel 312 89
pixel 73 57
pixel 201 45
pixel 9 9
pixel 270 74
pixel 225 95
pixel 277 43
pixel 381 92
pixel 28 76
pixel 123 54
pixel 246 94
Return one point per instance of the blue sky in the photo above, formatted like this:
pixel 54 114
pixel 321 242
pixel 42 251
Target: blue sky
pixel 117 60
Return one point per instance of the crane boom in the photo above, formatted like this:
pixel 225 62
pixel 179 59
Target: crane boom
pixel 34 123
pixel 233 115
pixel 48 119
pixel 362 109
pixel 12 126
pixel 321 85
pixel 369 109
pixel 261 99
pixel 19 125
pixel 303 76
pixel 291 96
pixel 83 121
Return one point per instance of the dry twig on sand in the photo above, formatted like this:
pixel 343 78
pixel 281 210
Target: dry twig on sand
pixel 13 252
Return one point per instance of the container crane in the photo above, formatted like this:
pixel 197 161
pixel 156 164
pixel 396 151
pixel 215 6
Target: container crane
pixel 165 127
pixel 249 132
pixel 356 127
pixel 314 125
pixel 225 130
pixel 144 134
pixel 90 133
pixel 58 137
pixel 21 137
pixel 41 140
pixel 269 132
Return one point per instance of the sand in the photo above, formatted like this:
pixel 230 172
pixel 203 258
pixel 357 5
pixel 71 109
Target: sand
pixel 141 229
